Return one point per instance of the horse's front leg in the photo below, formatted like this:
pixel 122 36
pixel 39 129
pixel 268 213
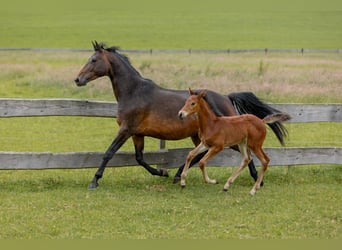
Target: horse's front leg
pixel 192 154
pixel 196 140
pixel 139 148
pixel 203 162
pixel 119 140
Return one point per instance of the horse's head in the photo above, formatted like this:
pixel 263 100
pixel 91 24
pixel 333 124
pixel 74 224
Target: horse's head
pixel 98 65
pixel 191 105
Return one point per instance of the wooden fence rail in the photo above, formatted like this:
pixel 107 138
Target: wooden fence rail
pixel 169 158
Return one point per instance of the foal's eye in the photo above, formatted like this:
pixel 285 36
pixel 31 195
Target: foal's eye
pixel 93 59
pixel 193 104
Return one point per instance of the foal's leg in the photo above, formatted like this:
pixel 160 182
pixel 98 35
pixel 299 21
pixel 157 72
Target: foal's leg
pixel 199 149
pixel 252 170
pixel 139 148
pixel 264 161
pixel 203 162
pixel 245 159
pixel 196 141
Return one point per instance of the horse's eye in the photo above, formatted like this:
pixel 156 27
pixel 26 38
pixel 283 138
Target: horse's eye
pixel 193 104
pixel 93 59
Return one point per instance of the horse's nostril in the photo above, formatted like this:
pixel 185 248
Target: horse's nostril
pixel 77 80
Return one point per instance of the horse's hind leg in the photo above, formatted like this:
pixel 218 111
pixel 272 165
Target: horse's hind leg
pixel 139 147
pixel 264 161
pixel 245 159
pixel 252 170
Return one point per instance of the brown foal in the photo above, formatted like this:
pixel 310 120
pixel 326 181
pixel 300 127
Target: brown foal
pixel 246 131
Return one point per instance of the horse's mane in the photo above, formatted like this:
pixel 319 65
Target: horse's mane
pixel 114 49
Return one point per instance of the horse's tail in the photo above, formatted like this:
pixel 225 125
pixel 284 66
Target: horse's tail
pixel 248 103
pixel 277 117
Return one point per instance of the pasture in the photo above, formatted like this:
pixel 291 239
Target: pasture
pixel 301 202
pixel 296 203
pixel 215 24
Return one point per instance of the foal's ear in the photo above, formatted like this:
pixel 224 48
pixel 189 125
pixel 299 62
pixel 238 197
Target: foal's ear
pixel 203 93
pixel 191 92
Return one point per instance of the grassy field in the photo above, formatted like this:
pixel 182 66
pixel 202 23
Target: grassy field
pixel 215 24
pixel 301 202
pixel 296 203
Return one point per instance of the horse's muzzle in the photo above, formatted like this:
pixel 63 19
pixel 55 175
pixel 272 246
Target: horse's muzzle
pixel 181 115
pixel 79 82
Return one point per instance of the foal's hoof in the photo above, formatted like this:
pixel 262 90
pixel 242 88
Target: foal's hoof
pixel 176 179
pixel 163 172
pixel 93 186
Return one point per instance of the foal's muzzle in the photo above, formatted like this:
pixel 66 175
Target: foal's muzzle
pixel 181 115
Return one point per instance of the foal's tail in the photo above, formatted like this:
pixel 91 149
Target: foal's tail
pixel 248 103
pixel 278 117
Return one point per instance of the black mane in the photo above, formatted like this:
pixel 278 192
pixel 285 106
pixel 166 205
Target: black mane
pixel 114 49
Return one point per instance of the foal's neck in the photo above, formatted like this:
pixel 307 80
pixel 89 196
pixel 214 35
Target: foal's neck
pixel 206 116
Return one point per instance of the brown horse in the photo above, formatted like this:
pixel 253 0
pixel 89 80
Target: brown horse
pixel 146 109
pixel 246 131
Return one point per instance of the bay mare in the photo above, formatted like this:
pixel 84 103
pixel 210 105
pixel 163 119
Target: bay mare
pixel 146 109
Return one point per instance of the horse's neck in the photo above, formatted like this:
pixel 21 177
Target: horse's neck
pixel 124 77
pixel 206 116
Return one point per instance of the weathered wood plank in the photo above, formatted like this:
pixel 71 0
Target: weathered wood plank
pixel 56 107
pixel 76 107
pixel 278 156
pixel 72 160
pixel 171 158
pixel 312 112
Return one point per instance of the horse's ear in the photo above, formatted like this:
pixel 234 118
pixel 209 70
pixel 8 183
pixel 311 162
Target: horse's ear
pixel 97 47
pixel 191 92
pixel 203 93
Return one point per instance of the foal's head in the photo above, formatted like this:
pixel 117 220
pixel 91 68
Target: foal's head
pixel 98 65
pixel 192 104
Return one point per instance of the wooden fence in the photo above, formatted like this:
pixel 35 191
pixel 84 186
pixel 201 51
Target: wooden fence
pixel 188 51
pixel 169 158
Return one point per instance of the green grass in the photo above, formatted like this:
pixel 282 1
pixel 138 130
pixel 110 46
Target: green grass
pixel 154 24
pixel 296 203
pixel 301 202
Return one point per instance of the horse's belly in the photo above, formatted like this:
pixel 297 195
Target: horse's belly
pixel 169 129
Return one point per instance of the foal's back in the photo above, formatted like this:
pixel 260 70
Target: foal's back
pixel 243 127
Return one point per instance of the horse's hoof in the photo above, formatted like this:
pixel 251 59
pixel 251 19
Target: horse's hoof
pixel 183 186
pixel 262 184
pixel 252 192
pixel 225 190
pixel 176 179
pixel 93 186
pixel 163 172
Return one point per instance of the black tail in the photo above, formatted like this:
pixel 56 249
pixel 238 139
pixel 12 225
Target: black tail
pixel 248 103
